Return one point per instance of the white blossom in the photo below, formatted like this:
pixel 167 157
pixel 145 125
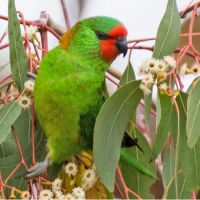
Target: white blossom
pixel 46 194
pixel 59 195
pixel 148 79
pixel 89 179
pixel 160 66
pixel 69 196
pixel 24 101
pixel 143 68
pixel 78 193
pixel 195 68
pixel 169 60
pixel 31 31
pixel 56 184
pixel 145 89
pixel 71 169
pixel 183 69
pixel 152 64
pixel 29 85
pixel 163 86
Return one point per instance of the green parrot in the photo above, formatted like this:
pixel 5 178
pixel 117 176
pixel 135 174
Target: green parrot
pixel 70 87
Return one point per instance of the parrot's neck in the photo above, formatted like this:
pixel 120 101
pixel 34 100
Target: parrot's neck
pixel 79 45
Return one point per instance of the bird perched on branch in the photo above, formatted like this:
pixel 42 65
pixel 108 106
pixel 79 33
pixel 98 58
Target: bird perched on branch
pixel 70 88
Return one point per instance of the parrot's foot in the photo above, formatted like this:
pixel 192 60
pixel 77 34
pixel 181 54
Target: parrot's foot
pixel 38 169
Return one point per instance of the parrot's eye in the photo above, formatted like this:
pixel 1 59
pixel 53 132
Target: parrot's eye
pixel 101 35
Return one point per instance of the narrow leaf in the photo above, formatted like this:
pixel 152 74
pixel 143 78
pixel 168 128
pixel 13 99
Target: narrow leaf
pixel 164 106
pixel 18 58
pixel 193 115
pixel 147 107
pixel 134 179
pixel 111 123
pixel 8 115
pixel 9 160
pixel 128 159
pixel 189 159
pixel 128 75
pixel 168 32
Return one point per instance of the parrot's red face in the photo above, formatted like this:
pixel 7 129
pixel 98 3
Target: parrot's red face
pixel 113 43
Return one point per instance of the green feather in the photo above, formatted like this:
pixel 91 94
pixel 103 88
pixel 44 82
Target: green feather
pixel 66 94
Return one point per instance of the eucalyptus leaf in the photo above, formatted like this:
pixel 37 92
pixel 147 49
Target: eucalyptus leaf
pixel 168 33
pixel 8 115
pixel 163 120
pixel 134 179
pixel 9 160
pixel 193 115
pixel 147 106
pixel 112 121
pixel 169 179
pixel 168 168
pixel 130 160
pixel 189 159
pixel 18 57
pixel 128 75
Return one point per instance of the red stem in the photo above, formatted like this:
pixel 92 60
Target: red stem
pixel 4 46
pixel 44 40
pixel 126 189
pixel 118 189
pixel 13 172
pixel 36 23
pixel 33 135
pixel 1 187
pixel 2 37
pixel 19 147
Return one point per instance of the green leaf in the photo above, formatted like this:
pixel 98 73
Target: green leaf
pixel 147 107
pixel 168 33
pixel 189 159
pixel 163 120
pixel 192 84
pixel 8 115
pixel 128 75
pixel 18 57
pixel 134 179
pixel 168 168
pixel 111 123
pixel 9 160
pixel 126 158
pixel 193 115
pixel 168 176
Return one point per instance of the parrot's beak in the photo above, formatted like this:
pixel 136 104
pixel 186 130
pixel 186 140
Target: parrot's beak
pixel 121 44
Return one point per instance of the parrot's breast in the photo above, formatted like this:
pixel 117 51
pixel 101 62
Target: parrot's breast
pixel 65 90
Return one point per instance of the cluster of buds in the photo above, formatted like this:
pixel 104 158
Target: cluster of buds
pixel 155 71
pixel 74 182
pixel 56 192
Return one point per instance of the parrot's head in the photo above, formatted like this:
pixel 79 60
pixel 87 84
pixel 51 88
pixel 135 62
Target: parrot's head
pixel 97 37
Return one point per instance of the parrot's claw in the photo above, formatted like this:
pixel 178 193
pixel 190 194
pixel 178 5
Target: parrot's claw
pixel 38 169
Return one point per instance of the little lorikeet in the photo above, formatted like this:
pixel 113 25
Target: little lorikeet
pixel 70 88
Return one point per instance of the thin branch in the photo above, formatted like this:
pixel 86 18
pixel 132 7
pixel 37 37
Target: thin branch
pixel 65 13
